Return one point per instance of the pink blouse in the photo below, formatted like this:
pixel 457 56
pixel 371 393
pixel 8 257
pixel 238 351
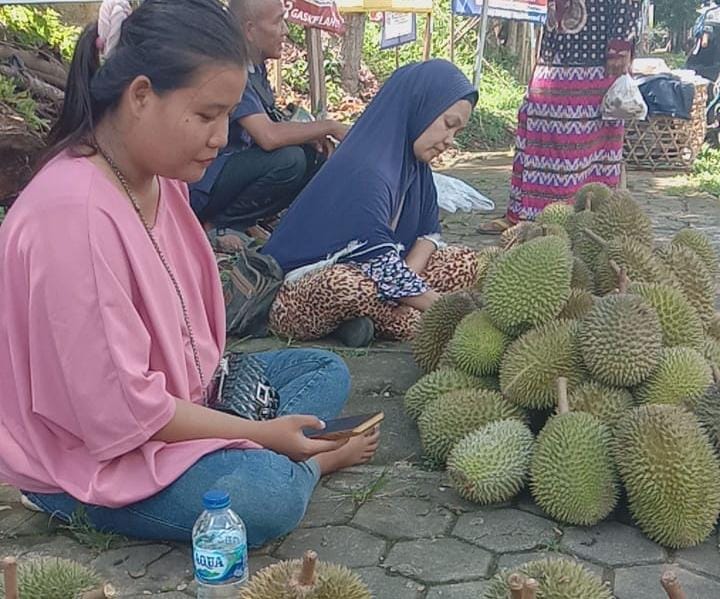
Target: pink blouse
pixel 94 350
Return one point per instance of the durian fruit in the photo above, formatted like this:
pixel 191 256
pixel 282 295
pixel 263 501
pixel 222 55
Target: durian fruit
pixel 53 578
pixel 529 284
pixel 477 346
pixel 578 305
pixel 433 385
pixel 592 196
pixel 490 465
pixel 713 327
pixel 638 260
pixel 533 363
pixel 608 404
pixel 437 327
pixel 305 579
pixel 622 216
pixel 583 246
pixel 680 324
pixel 707 411
pixel 557 213
pixel 671 474
pixel 557 579
pixel 711 351
pixel 582 276
pixel 486 256
pixel 693 277
pixel 681 377
pixel 699 243
pixel 572 473
pixel 446 420
pixel 620 340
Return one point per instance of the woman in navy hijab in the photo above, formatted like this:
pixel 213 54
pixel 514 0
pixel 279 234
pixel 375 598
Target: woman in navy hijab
pixel 361 245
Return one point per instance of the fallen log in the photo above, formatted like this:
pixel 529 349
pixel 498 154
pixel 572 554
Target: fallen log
pixel 41 64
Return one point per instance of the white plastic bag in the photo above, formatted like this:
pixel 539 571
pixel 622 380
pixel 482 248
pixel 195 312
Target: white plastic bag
pixel 623 101
pixel 454 194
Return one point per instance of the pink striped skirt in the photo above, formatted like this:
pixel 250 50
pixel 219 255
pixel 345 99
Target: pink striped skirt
pixel 562 142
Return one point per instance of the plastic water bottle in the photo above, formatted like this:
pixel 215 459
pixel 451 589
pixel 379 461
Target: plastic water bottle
pixel 219 549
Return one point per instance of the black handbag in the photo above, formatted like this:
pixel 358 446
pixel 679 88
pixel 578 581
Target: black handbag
pixel 242 389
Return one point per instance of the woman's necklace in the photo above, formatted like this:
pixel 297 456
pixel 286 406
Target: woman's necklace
pixel 133 200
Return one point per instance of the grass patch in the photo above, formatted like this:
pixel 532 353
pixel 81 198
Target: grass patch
pixel 704 177
pixel 361 496
pixel 86 534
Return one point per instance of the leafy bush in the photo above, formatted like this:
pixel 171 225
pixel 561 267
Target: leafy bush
pixel 706 171
pixel 22 104
pixel 39 28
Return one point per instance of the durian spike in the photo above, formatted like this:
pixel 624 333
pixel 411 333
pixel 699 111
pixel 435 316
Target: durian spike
pixel 563 403
pixel 595 237
pixel 671 584
pixel 307 573
pixel 530 589
pixel 9 568
pixel 516 582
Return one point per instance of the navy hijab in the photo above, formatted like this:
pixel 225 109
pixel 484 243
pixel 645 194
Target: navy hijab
pixel 373 194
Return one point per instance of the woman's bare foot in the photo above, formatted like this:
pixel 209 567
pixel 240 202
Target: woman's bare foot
pixel 358 450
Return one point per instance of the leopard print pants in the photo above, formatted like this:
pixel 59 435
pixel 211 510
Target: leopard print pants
pixel 315 305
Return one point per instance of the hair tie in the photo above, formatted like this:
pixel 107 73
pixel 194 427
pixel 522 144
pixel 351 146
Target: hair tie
pixel 111 16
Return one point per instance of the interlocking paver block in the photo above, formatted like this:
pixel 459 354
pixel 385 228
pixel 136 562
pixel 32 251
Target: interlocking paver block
pixel 505 530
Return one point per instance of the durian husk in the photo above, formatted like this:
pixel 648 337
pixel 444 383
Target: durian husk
pixel 699 243
pixel 671 474
pixel 557 579
pixel 592 196
pixel 295 579
pixel 53 578
pixel 437 326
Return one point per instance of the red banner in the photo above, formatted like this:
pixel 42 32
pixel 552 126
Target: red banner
pixel 319 14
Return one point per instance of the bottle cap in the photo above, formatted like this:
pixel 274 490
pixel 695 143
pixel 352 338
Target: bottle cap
pixel 216 500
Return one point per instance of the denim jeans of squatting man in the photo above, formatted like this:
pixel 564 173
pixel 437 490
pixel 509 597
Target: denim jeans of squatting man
pixel 269 491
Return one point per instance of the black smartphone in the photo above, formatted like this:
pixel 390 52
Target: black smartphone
pixel 350 426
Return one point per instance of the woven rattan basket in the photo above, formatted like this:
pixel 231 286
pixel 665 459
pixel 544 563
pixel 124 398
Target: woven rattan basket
pixel 663 142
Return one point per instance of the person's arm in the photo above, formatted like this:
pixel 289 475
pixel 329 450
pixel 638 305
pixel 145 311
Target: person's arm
pixel 622 34
pixel 419 255
pixel 270 135
pixel 421 302
pixel 283 435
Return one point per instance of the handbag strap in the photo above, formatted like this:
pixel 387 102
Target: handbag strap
pixel 255 81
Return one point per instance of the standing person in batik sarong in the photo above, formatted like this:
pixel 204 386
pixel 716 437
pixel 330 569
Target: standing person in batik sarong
pixel 562 141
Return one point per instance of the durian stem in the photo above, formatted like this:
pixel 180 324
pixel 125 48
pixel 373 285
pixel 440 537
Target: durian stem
pixel 716 373
pixel 671 584
pixel 9 568
pixel 530 589
pixel 623 279
pixel 563 403
pixel 516 582
pixel 588 201
pixel 595 237
pixel 307 574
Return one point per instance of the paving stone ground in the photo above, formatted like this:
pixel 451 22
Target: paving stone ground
pixel 400 527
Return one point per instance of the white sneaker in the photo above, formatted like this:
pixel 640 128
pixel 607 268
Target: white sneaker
pixel 29 505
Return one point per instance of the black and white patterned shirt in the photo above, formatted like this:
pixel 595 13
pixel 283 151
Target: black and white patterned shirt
pixel 607 20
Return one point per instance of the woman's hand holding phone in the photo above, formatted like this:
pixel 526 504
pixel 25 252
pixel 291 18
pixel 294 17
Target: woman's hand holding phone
pixel 285 435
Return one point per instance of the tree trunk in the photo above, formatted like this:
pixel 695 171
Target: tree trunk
pixel 352 46
pixel 512 39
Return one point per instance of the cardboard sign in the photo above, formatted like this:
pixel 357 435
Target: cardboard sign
pixel 398 28
pixel 317 14
pixel 534 11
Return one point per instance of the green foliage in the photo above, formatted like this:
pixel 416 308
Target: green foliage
pixel 22 104
pixel 36 27
pixel 675 14
pixel 706 171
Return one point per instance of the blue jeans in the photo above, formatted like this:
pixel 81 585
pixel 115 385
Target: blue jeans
pixel 269 491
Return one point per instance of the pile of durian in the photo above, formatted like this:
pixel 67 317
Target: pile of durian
pixel 581 302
